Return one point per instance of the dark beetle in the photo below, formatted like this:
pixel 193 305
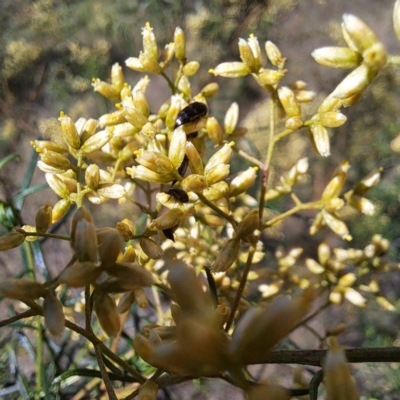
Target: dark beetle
pixel 191 113
pixel 178 194
pixel 182 168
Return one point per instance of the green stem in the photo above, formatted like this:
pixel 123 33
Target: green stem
pixel 294 210
pixel 48 235
pixel 248 157
pixel 170 83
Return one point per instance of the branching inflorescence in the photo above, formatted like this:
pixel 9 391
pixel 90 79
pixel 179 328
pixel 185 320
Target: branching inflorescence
pixel 199 216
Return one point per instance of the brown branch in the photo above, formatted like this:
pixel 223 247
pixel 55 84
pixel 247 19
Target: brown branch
pixel 315 357
pixel 25 314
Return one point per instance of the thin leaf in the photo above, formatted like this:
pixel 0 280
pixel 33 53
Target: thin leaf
pixel 18 198
pixel 39 260
pixel 7 159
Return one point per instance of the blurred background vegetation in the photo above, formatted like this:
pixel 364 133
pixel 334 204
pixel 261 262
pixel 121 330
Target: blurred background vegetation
pixel 51 49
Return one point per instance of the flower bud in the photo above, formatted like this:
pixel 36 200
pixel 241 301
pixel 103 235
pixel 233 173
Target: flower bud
pixel 246 55
pixel 335 186
pixel 155 161
pixel 354 83
pixel 330 104
pixel 11 240
pixel 117 77
pixel 359 33
pixel 339 383
pixel 222 156
pixel 337 57
pixel 274 55
pixel 227 256
pixel 107 313
pixel 194 183
pixel 234 69
pixel 268 77
pixel 110 119
pixel 337 226
pixel 210 90
pixel 145 174
pixel 70 133
pixel 135 64
pixel 368 182
pixel 216 191
pixel 92 176
pixel 111 190
pixel 294 123
pixel 125 302
pixel 361 204
pixel 191 68
pixel 320 139
pixel 60 209
pixel 85 241
pixel 256 50
pixel 22 289
pixel 173 111
pixel 217 173
pixel 55 160
pixel 195 162
pixel 243 181
pixel 167 56
pixel 43 219
pixel 375 56
pixel 105 89
pixel 97 141
pixel 40 145
pixel 149 42
pixel 396 18
pixel 53 315
pixel 184 86
pixel 30 229
pixel 289 102
pixel 214 130
pixel 140 102
pixel 151 248
pixel 332 119
pixel 180 45
pixel 133 116
pixel 149 63
pixel 177 147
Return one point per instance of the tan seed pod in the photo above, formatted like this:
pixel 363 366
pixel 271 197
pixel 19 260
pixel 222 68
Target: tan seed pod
pixel 168 220
pixel 248 224
pixel 194 183
pixel 129 255
pixel 109 245
pixel 53 315
pixel 107 313
pixel 125 302
pixel 43 218
pixel 148 390
pixel 79 274
pixel 11 240
pixel 126 228
pixel 126 277
pixel 151 248
pixel 140 298
pixel 227 256
pixel 22 289
pixel 338 381
pixel 85 241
